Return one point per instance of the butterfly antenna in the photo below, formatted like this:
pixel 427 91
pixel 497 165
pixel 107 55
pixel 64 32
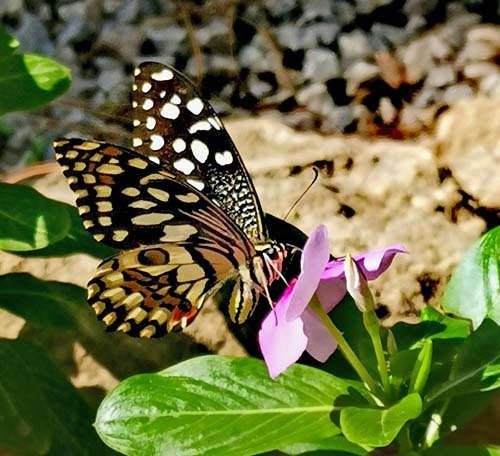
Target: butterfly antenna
pixel 273 266
pixel 299 199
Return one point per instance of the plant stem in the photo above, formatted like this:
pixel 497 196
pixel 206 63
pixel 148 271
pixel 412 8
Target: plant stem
pixel 372 326
pixel 346 349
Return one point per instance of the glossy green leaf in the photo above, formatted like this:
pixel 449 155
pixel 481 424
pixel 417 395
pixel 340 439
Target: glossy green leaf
pixel 378 427
pixel 29 220
pixel 43 304
pixel 29 81
pixel 474 288
pixel 470 369
pixel 40 411
pixel 215 405
pixel 77 240
pixel 8 44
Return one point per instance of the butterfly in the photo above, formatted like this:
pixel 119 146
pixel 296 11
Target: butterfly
pixel 179 206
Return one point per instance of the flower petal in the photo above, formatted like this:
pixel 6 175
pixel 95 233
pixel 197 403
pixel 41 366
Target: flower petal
pixel 314 259
pixel 320 344
pixel 376 262
pixel 330 293
pixel 281 342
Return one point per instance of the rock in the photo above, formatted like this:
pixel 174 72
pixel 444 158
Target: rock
pixel 33 35
pixel 124 40
pixel 490 85
pixel 385 33
pixel 316 9
pixel 486 33
pixel 316 98
pixel 387 110
pixel 474 51
pixel 258 87
pixel 343 12
pixel 321 64
pixel 419 7
pixel 170 39
pixel 354 45
pixel 256 57
pixel 281 9
pixel 129 12
pixel 289 36
pixel 214 35
pixel 456 92
pixel 441 76
pixel 323 33
pixel 478 70
pixel 11 8
pixel 357 73
pixel 339 119
pixel 369 6
pixel 468 136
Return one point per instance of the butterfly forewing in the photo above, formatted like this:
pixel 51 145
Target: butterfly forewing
pixel 172 122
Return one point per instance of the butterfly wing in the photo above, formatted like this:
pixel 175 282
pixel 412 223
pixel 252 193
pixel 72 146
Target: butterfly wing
pixel 172 122
pixel 182 247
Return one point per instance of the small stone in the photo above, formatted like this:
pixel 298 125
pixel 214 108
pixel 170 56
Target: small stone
pixel 369 6
pixel 441 76
pixel 490 85
pixel 387 110
pixel 476 50
pixel 485 33
pixel 426 97
pixel 340 119
pixel 11 7
pixel 33 35
pixel 258 87
pixel 357 73
pixel 170 39
pixel 397 36
pixel 214 35
pixel 316 9
pixel 316 98
pixel 280 8
pixel 419 7
pixel 123 39
pixel 323 33
pixel 129 12
pixel 456 92
pixel 354 45
pixel 256 58
pixel 69 11
pixel 343 12
pixel 478 70
pixel 289 36
pixel 321 64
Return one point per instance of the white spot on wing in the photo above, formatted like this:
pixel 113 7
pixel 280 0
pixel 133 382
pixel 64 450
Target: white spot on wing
pixel 137 71
pixel 148 104
pixel 224 158
pixel 200 125
pixel 163 93
pixel 157 142
pixel 179 145
pixel 136 142
pixel 163 75
pixel 199 185
pixel 176 99
pixel 195 106
pixel 214 123
pixel 150 123
pixel 146 87
pixel 136 122
pixel 200 150
pixel 170 111
pixel 184 165
pixel 154 159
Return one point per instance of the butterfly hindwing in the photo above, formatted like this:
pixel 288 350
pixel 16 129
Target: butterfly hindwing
pixel 172 122
pixel 145 292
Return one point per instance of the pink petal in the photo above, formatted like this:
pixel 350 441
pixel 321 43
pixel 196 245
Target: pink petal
pixel 330 293
pixel 281 342
pixel 320 343
pixel 376 262
pixel 314 259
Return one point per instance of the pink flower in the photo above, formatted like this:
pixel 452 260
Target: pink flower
pixel 291 327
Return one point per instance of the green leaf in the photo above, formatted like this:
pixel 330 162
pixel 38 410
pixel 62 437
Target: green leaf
pixel 456 450
pixel 215 405
pixel 378 427
pixel 77 240
pixel 29 220
pixel 40 411
pixel 24 420
pixel 8 44
pixel 473 291
pixel 44 304
pixel 29 81
pixel 335 445
pixel 470 366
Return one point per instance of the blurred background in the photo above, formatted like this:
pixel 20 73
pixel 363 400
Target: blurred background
pixel 396 102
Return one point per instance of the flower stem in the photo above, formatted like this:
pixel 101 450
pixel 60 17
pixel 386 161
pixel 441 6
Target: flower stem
pixel 346 349
pixel 372 326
